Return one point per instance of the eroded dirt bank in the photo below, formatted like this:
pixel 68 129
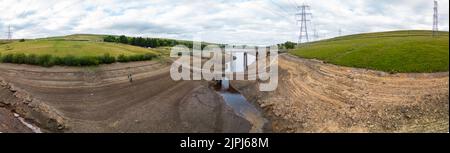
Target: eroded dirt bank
pixel 316 97
pixel 102 99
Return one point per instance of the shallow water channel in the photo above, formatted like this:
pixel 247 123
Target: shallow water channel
pixel 238 102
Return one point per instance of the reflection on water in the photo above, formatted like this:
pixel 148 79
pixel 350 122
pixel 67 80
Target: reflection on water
pixel 225 85
pixel 243 108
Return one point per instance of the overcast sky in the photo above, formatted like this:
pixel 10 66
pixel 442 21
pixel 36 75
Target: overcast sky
pixel 258 22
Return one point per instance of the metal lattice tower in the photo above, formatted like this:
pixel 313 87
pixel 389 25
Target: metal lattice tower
pixel 302 17
pixel 9 33
pixel 435 19
pixel 316 34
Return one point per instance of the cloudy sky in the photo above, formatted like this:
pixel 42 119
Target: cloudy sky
pixel 258 22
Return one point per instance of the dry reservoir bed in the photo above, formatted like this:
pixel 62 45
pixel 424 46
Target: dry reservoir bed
pixel 311 97
pixel 102 99
pixel 316 97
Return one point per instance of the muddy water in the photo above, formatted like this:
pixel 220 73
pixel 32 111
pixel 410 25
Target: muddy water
pixel 241 106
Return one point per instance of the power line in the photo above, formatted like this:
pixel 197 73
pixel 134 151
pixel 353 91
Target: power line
pixel 274 12
pixel 293 4
pixel 284 10
pixel 293 1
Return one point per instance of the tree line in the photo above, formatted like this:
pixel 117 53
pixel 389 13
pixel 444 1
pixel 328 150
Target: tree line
pixel 149 42
pixel 158 42
pixel 287 45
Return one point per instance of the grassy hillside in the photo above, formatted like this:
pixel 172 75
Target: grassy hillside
pixel 396 51
pixel 75 48
pixel 78 37
pixel 72 50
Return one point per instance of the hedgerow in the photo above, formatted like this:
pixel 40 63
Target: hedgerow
pixel 47 60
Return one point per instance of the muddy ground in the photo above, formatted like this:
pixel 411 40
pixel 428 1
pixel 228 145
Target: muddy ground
pixel 102 99
pixel 313 96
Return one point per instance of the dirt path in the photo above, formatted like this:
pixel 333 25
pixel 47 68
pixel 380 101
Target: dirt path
pixel 317 97
pixel 102 99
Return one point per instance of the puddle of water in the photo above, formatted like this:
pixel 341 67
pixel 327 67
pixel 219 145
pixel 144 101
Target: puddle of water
pixel 243 108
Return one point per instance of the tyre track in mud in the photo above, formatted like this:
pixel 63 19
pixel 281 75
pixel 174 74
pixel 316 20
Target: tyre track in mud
pixel 313 96
pixel 102 99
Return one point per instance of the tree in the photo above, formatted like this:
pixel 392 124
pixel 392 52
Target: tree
pixel 109 39
pixel 141 42
pixel 123 39
pixel 289 45
pixel 133 41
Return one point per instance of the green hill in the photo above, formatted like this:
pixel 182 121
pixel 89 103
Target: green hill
pixel 71 47
pixel 395 51
pixel 81 49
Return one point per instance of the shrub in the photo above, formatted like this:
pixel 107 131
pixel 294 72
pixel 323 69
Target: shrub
pixel 106 59
pixel 122 58
pixel 31 59
pixel 88 61
pixel 149 56
pixel 18 58
pixel 57 60
pixel 137 57
pixel 44 60
pixel 70 60
pixel 8 58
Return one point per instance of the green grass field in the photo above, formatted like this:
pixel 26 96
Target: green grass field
pixel 76 45
pixel 72 50
pixel 395 51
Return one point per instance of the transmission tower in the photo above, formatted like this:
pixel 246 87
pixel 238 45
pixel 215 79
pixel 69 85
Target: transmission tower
pixel 316 34
pixel 435 19
pixel 9 33
pixel 303 12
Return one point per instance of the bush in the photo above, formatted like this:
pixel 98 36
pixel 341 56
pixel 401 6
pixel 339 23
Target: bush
pixel 44 60
pixel 18 58
pixel 137 57
pixel 70 60
pixel 8 58
pixel 88 61
pixel 31 59
pixel 106 59
pixel 109 39
pixel 122 58
pixel 57 60
pixel 148 56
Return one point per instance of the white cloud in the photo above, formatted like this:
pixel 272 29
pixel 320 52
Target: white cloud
pixel 222 21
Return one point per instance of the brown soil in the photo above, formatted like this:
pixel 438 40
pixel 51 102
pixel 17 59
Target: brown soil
pixel 102 99
pixel 311 97
pixel 10 124
pixel 316 97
